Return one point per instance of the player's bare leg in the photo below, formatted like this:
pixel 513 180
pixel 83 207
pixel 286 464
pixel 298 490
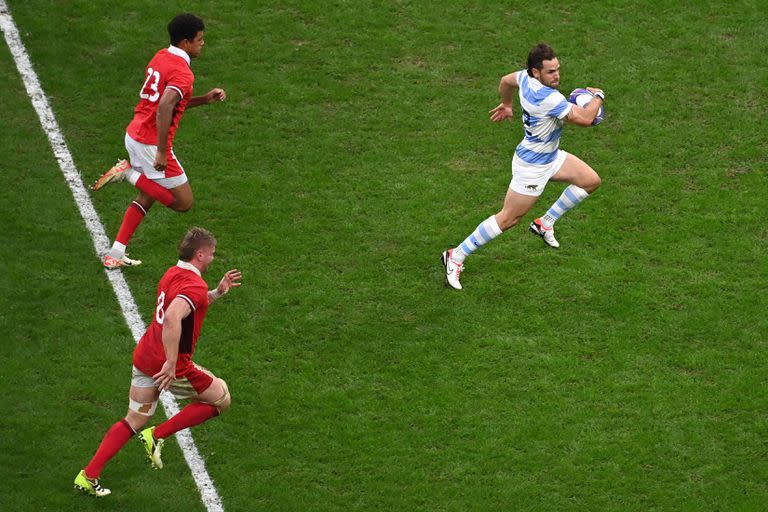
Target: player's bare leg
pixel 183 198
pixel 577 172
pixel 515 206
pixel 583 181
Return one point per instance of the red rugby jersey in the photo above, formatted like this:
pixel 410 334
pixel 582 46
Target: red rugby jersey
pixel 168 68
pixel 182 280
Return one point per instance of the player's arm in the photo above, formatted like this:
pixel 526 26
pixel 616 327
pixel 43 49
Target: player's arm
pixel 585 116
pixel 212 96
pixel 507 87
pixel 176 312
pixel 229 281
pixel 163 120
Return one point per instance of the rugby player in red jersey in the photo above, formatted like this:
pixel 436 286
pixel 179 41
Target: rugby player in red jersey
pixel 153 168
pixel 162 360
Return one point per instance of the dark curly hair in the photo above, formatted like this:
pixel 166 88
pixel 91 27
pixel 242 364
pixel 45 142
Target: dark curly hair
pixel 538 55
pixel 184 26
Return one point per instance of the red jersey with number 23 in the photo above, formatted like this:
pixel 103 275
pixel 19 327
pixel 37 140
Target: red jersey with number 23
pixel 169 68
pixel 184 281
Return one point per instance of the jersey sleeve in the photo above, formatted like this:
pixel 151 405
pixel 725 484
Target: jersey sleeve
pixel 195 294
pixel 561 105
pixel 181 81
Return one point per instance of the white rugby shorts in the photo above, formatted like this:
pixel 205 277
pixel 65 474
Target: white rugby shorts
pixel 142 158
pixel 529 179
pixel 181 388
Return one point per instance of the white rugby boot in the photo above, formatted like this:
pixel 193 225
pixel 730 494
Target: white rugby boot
pixel 548 234
pixel 453 269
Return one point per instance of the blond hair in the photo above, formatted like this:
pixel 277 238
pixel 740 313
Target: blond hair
pixel 194 240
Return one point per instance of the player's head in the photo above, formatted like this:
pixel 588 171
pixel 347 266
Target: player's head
pixel 187 32
pixel 543 65
pixel 198 247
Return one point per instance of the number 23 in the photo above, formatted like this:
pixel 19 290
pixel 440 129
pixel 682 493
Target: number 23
pixel 151 74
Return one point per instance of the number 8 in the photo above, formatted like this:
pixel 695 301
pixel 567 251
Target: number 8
pixel 159 312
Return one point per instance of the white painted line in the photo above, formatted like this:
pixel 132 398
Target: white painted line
pixel 208 492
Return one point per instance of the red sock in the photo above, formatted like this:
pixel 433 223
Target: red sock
pixel 134 214
pixel 114 439
pixel 155 191
pixel 193 414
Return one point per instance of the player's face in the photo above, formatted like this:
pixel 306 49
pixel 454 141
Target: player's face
pixel 206 254
pixel 549 74
pixel 195 46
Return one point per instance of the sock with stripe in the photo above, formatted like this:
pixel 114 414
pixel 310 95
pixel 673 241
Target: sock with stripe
pixel 485 232
pixel 113 441
pixel 191 415
pixel 571 197
pixel 134 214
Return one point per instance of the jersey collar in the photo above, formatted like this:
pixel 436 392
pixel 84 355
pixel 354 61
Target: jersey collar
pixel 179 52
pixel 188 266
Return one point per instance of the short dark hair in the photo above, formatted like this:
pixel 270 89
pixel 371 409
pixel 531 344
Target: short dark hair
pixel 538 55
pixel 194 240
pixel 184 26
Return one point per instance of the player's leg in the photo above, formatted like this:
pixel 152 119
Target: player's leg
pixel 183 198
pixel 142 405
pixel 208 404
pixel 178 184
pixel 515 206
pixel 583 181
pixel 139 172
pixel 132 218
pixel 210 397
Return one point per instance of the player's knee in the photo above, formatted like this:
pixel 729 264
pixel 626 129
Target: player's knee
pixel 594 183
pixel 225 400
pixel 136 420
pixel 182 206
pixel 506 221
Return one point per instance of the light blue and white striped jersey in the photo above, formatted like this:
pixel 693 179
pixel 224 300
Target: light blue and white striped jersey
pixel 544 109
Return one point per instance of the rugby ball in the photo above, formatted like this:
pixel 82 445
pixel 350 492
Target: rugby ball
pixel 582 97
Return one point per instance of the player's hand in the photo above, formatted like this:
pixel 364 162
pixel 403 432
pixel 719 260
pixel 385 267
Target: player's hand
pixel 229 281
pixel 161 161
pixel 215 95
pixel 500 113
pixel 165 377
pixel 595 90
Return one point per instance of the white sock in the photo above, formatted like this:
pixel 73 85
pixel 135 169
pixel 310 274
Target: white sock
pixel 132 176
pixel 117 251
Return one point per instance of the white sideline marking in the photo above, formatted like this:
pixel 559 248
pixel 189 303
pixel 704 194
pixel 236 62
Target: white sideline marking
pixel 209 495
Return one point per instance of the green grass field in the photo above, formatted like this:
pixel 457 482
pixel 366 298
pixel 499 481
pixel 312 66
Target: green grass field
pixel 625 371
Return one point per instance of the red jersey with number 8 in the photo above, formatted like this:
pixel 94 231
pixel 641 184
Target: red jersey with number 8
pixel 183 281
pixel 169 68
